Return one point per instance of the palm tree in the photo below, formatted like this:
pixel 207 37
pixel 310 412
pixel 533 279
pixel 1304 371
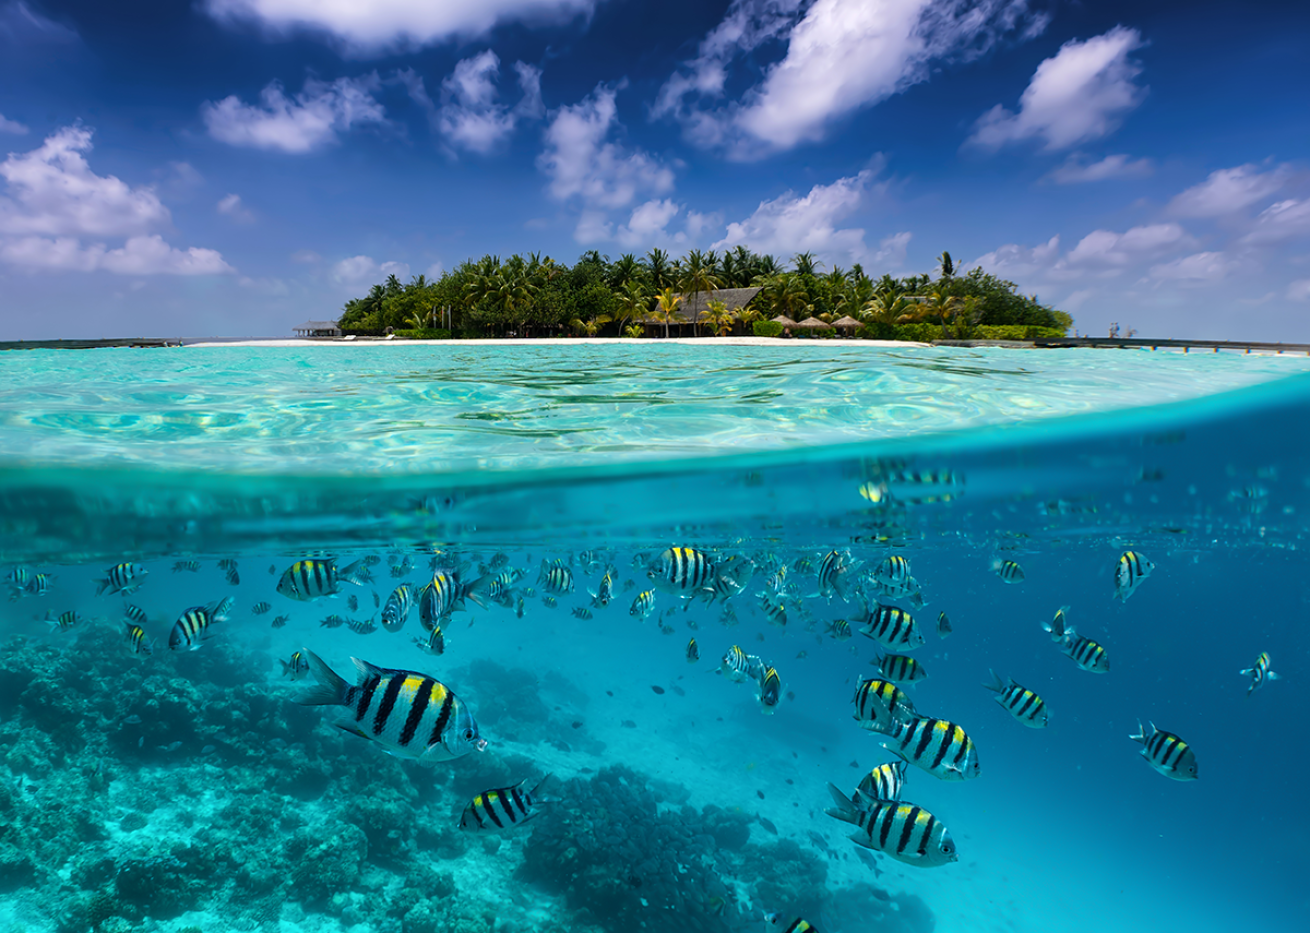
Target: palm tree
pixel 945 265
pixel 627 268
pixel 633 299
pixel 667 308
pixel 698 276
pixel 719 318
pixel 784 294
pixel 886 309
pixel 805 264
pixel 658 269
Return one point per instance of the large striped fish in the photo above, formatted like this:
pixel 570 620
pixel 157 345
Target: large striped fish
pixel 399 605
pixel 409 714
pixel 878 702
pixel 682 571
pixel 1167 753
pixel 907 833
pixel 193 626
pixel 503 807
pixel 312 578
pixel 1019 702
pixel 122 578
pixel 941 748
pixel 891 627
pixel 901 668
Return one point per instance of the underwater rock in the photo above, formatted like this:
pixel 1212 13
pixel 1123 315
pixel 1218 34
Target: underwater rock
pixel 327 859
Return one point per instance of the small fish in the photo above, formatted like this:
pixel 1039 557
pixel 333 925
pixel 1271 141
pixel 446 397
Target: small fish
pixel 550 602
pixel 693 652
pixel 839 629
pixel 774 607
pixel 295 668
pixel 735 665
pixel 260 608
pixel 1131 569
pixel 272 570
pixel 65 620
pixel 941 748
pixel 555 578
pixel 313 578
pixel 122 578
pixel 434 644
pixel 333 621
pixel 682 571
pixel 1008 571
pixel 794 925
pixel 903 831
pixel 444 595
pixel 1167 753
pixel 190 566
pixel 409 714
pixel 398 608
pixel 893 571
pixel 1021 703
pixel 281 621
pixel 901 668
pixel 878 702
pixel 353 602
pixel 136 615
pixel 504 807
pixel 1259 673
pixel 885 782
pixel 377 600
pixel 137 641
pixel 891 627
pixel 39 585
pixel 193 626
pixel 18 577
pixel 803 565
pixel 874 492
pixel 229 567
pixel 604 590
pixel 770 690
pixel 834 570
pixel 361 626
pixel 943 625
pixel 582 612
pixel 520 608
pixel 643 604
pixel 1086 653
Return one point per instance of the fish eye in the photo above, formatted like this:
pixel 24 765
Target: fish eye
pixel 468 735
pixel 947 848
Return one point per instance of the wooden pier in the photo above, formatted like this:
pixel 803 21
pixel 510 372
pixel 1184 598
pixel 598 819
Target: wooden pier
pixel 88 344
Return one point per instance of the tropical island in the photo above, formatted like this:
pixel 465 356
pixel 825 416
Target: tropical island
pixel 734 293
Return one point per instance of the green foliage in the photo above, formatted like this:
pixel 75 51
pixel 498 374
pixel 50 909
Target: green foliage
pixel 1014 332
pixel 767 329
pixel 922 333
pixel 424 333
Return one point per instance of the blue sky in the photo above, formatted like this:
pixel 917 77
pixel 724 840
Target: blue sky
pixel 232 167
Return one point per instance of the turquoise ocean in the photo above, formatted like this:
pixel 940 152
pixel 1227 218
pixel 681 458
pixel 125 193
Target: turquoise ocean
pixel 764 496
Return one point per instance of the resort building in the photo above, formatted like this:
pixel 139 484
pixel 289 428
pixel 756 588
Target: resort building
pixel 318 329
pixel 692 308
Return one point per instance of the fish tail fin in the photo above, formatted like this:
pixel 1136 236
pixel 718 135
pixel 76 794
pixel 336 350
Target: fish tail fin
pixel 356 573
pixel 102 586
pixel 995 686
pixel 537 795
pixel 331 687
pixel 1141 733
pixel 845 809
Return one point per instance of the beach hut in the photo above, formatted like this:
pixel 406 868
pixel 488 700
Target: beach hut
pixel 784 321
pixel 813 323
pixel 848 324
pixel 318 329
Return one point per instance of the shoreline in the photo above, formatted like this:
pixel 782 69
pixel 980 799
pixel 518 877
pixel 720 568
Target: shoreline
pixel 548 341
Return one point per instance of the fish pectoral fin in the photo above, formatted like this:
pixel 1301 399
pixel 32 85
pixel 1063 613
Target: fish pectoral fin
pixel 352 729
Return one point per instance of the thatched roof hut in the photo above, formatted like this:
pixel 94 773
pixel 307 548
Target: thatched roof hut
pixel 846 321
pixel 694 305
pixel 784 321
pixel 814 322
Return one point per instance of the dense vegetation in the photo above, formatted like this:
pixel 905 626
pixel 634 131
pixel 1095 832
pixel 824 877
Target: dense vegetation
pixel 537 296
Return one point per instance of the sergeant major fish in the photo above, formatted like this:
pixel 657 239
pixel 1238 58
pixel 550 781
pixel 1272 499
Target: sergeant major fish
pixel 941 748
pixel 1167 753
pixel 136 639
pixel 1131 569
pixel 1008 571
pixel 1086 653
pixel 260 608
pixel 1020 702
pixel 504 807
pixel 907 833
pixel 891 627
pixel 879 702
pixel 296 667
pixel 193 626
pixel 834 569
pixel 885 782
pixel 770 689
pixel 643 604
pixel 1259 673
pixel 604 590
pixel 313 578
pixel 122 578
pixel 693 652
pixel 409 714
pixel 555 578
pixel 682 571
pixel 398 608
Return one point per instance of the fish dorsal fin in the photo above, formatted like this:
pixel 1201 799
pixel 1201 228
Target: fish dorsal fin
pixel 367 670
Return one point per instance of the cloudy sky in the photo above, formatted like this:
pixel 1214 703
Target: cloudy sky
pixel 233 167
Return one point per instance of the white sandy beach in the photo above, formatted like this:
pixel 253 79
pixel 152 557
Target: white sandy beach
pixel 550 341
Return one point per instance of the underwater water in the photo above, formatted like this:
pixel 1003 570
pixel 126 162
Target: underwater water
pixel 186 788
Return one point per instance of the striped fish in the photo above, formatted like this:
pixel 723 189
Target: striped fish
pixel 774 607
pixel 891 627
pixel 1019 702
pixel 770 689
pixel 682 571
pixel 18 576
pixel 893 571
pixel 261 608
pixel 1259 673
pixel 839 629
pixel 398 608
pixel 604 590
pixel 362 626
pixel 438 599
pixel 136 639
pixel 795 925
pixel 834 570
pixel 730 578
pixel 693 652
pixel 878 702
pixel 555 578
pixel 64 621
pixel 1008 571
pixel 39 585
pixel 409 714
pixel 582 612
pixel 941 748
pixel 122 578
pixel 434 644
pixel 1167 753
pixel 1131 569
pixel 281 621
pixel 735 665
pixel 643 604
pixel 900 668
pixel 550 602
pixel 190 566
pixel 907 833
pixel 136 614
pixel 192 627
pixel 885 782
pixel 1086 653
pixel 313 578
pixel 504 807
pixel 943 625
pixel 296 667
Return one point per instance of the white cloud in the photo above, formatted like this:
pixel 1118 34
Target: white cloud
pixel 378 24
pixel 1107 249
pixel 231 206
pixel 1079 95
pixel 647 223
pixel 581 163
pixel 1100 254
pixel 1279 223
pixel 1198 268
pixel 11 126
pixel 470 115
pixel 891 250
pixel 21 26
pixel 311 120
pixel 52 191
pixel 141 255
pixel 1013 261
pixel 1299 290
pixel 792 223
pixel 1076 170
pixel 359 270
pixel 842 55
pixel 1229 191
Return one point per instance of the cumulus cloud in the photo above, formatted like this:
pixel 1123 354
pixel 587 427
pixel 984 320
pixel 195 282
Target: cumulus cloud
pixel 583 165
pixel 648 223
pixel 1197 269
pixel 842 55
pixel 363 28
pixel 1079 95
pixel 364 269
pixel 1279 223
pixel 11 126
pixel 1077 171
pixel 231 206
pixel 1229 191
pixel 1099 254
pixel 53 204
pixel 1013 261
pixel 314 118
pixel 792 223
pixel 471 116
pixel 1106 249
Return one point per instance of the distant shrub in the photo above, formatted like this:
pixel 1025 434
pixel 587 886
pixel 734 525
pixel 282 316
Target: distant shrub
pixel 424 333
pixel 767 329
pixel 1013 332
pixel 922 333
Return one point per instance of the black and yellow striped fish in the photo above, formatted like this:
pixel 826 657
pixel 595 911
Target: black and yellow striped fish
pixel 1167 753
pixel 885 782
pixel 735 665
pixel 906 832
pixel 774 607
pixel 136 639
pixel 296 667
pixel 1130 570
pixel 1019 702
pixel 795 925
pixel 193 626
pixel 434 644
pixel 503 807
pixel 39 585
pixel 1086 653
pixel 941 748
pixel 693 652
pixel 900 668
pixel 834 572
pixel 604 590
pixel 643 604
pixel 1008 571
pixel 893 571
pixel 136 614
pixel 555 578
pixel 190 566
pixel 409 714
pixel 839 629
pixel 891 627
pixel 943 625
pixel 1259 673
pixel 64 621
pixel 260 608
pixel 878 702
pixel 313 578
pixel 770 689
pixel 122 578
pixel 682 571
